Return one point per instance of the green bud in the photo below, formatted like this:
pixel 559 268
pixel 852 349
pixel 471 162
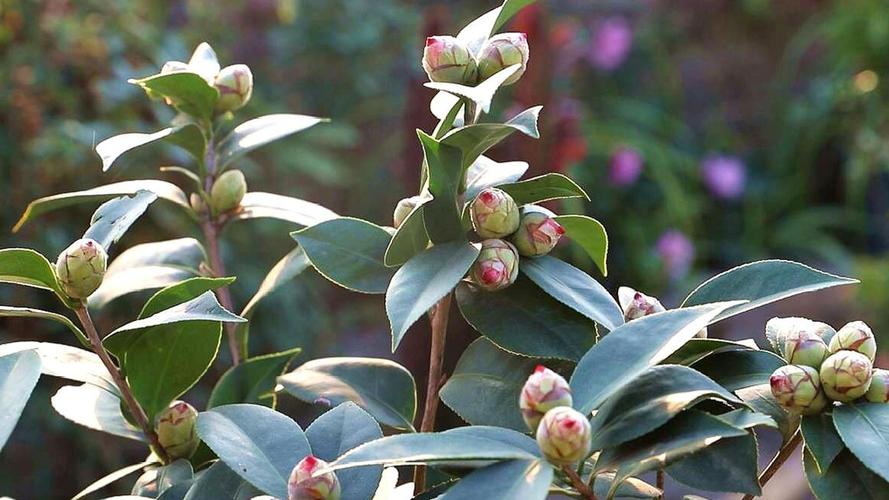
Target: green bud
pixel 197 203
pixel 496 267
pixel 81 268
pixel 798 389
pixel 305 485
pixel 538 232
pixel 494 214
pixel 228 191
pixel 855 336
pixel 543 391
pixel 803 347
pixel 403 209
pixel 846 375
pixel 447 59
pixel 564 436
pixel 235 86
pixel 176 429
pixel 502 51
pixel 878 392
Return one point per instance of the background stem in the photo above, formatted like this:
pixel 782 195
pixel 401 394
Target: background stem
pixel 783 454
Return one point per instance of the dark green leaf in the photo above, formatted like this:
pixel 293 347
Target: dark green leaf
pixel 738 369
pixel 219 482
pixel 546 187
pixel 696 349
pixel 252 381
pixel 729 465
pixel 189 92
pixel 485 172
pixel 760 398
pixel 525 479
pixel 95 408
pixel 864 429
pixel 114 217
pixel 590 235
pixel 746 419
pixel 261 131
pixel 846 478
pixel 181 292
pixel 821 439
pixel 410 238
pixel 188 136
pixel 23 266
pixel 27 312
pixel 474 140
pixel 257 205
pixel 19 373
pixel 441 214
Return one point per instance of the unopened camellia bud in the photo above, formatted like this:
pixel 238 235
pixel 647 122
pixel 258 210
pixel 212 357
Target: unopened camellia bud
pixel 447 59
pixel 878 392
pixel 798 389
pixel 538 232
pixel 855 336
pixel 81 268
pixel 228 191
pixel 146 484
pixel 176 429
pixel 564 435
pixel 494 213
pixel 304 486
pixel 803 347
pixel 403 209
pixel 636 304
pixel 496 266
pixel 544 390
pixel 502 51
pixel 235 86
pixel 846 375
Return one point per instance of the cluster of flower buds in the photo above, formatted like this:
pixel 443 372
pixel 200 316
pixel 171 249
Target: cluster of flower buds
pixel 825 364
pixel 227 192
pixel 562 433
pixel 305 484
pixel 448 59
pixel 234 83
pixel 543 391
pixel 636 304
pixel 81 268
pixel 176 429
pixel 497 265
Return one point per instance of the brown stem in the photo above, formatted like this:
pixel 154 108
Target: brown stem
pixel 578 483
pixel 217 266
pixel 438 317
pixel 125 391
pixel 784 453
pixel 659 481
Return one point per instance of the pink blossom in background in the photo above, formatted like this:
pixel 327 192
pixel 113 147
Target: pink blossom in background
pixel 611 43
pixel 625 166
pixel 725 176
pixel 676 251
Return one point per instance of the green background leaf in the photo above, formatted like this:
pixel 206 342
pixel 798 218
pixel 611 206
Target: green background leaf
pixel 19 373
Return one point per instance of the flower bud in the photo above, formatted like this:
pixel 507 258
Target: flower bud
pixel 447 59
pixel 544 390
pixel 846 375
pixel 878 392
pixel 803 347
pixel 502 51
pixel 497 265
pixel 494 214
pixel 173 67
pixel 228 191
pixel 636 304
pixel 81 268
pixel 538 232
pixel 798 389
pixel 146 484
pixel 176 429
pixel 564 435
pixel 304 486
pixel 855 336
pixel 235 86
pixel 197 203
pixel 403 209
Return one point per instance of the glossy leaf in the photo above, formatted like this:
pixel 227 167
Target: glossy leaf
pixel 485 172
pixel 441 215
pixel 481 94
pixel 822 440
pixel 252 381
pixel 631 349
pixel 409 239
pixel 258 443
pixel 19 373
pixel 219 482
pixel 574 288
pixel 348 252
pixel 474 140
pixel 728 465
pixel 628 488
pixel 759 397
pixel 525 479
pixel 203 308
pixel 282 273
pixel 847 477
pixel 423 281
pixel 64 361
pixel 864 428
pixel 180 293
pixel 95 408
pixel 552 186
pixel 112 478
pixel 114 217
pixel 188 136
pixel 261 131
pixel 257 205
pixel 696 349
pixel 590 235
pixel 477 32
pixel 761 283
pixel 189 91
pixel 743 418
pixel 27 312
pixel 23 266
pixel 738 369
pixel 383 388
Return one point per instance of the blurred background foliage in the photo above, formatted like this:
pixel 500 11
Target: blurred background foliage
pixel 707 132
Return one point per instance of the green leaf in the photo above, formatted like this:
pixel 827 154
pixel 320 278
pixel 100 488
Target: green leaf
pixel 188 136
pixel 546 187
pixel 181 292
pixel 525 479
pixel 423 281
pixel 746 419
pixel 590 235
pixel 27 312
pixel 738 369
pixel 409 239
pixel 162 189
pixel 95 408
pixel 574 288
pixel 474 140
pixel 485 172
pixel 476 33
pixel 175 473
pixel 339 430
pixel 481 94
pixel 521 320
pixel 628 488
pixel 189 92
pixel 114 217
pixel 282 273
pixel 112 478
pixel 203 308
pixel 382 387
pixel 261 131
pixel 630 349
pixel 864 429
pixel 822 440
pixel 257 205
pixel 19 373
pixel 23 266
pixel 149 266
pixel 761 283
pixel 729 465
pixel 846 478
pixel 219 482
pixel 258 443
pixel 652 399
pixel 696 349
pixel 348 252
pixel 441 214
pixel 460 445
pixel 485 386
pixel 252 381
pixel 760 398
pixel 71 363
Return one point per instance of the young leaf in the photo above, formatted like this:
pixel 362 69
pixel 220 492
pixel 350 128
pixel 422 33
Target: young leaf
pixel 27 312
pixel 761 283
pixel 738 369
pixel 481 94
pixel 485 172
pixel 204 62
pixel 864 429
pixel 63 361
pixel 180 293
pixel 189 91
pixel 258 443
pixel 476 33
pixel 525 479
pixel 252 381
pixel 348 252
pixel 590 235
pixel 382 387
pixel 203 308
pixel 257 205
pixel 729 465
pixel 441 215
pixel 423 281
pixel 846 477
pixel 23 266
pixel 114 217
pixel 546 187
pixel 261 131
pixel 474 140
pixel 113 478
pixel 95 408
pixel 19 373
pixel 188 136
pixel 822 440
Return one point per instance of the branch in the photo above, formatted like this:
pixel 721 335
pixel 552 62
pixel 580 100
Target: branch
pixel 578 483
pixel 217 266
pixel 783 454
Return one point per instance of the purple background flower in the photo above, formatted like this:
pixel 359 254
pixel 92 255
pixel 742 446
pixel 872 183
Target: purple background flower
pixel 611 43
pixel 676 251
pixel 724 175
pixel 625 166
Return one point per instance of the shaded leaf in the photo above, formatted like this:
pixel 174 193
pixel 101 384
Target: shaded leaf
pixel 283 272
pixel 760 398
pixel 252 381
pixel 181 292
pixel 846 478
pixel 474 140
pixel 864 428
pixel 205 307
pixel 481 94
pixel 409 239
pixel 441 215
pixel 112 478
pixel 738 369
pixel 525 479
pixel 188 136
pixel 71 363
pixel 728 465
pixel 219 482
pixel 821 438
pixel 27 312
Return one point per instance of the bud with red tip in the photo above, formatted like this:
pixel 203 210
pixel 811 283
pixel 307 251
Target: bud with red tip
pixel 176 429
pixel 544 390
pixel 497 265
pixel 798 389
pixel 803 346
pixel 447 59
pixel 304 485
pixel 502 51
pixel 81 268
pixel 564 436
pixel 878 392
pixel 855 336
pixel 636 304
pixel 494 213
pixel 846 375
pixel 235 86
pixel 538 232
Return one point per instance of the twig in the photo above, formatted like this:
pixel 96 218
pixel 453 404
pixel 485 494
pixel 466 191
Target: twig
pixel 659 481
pixel 783 454
pixel 217 265
pixel 578 483
pixel 125 391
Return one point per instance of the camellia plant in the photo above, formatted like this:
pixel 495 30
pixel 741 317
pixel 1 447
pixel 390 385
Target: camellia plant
pixel 566 391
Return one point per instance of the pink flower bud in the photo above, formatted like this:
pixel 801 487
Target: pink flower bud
pixel 176 429
pixel 564 436
pixel 544 390
pixel 447 59
pixel 798 389
pixel 235 86
pixel 305 485
pixel 878 392
pixel 494 214
pixel 855 336
pixel 636 304
pixel 802 346
pixel 497 265
pixel 81 268
pixel 846 375
pixel 538 232
pixel 502 51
